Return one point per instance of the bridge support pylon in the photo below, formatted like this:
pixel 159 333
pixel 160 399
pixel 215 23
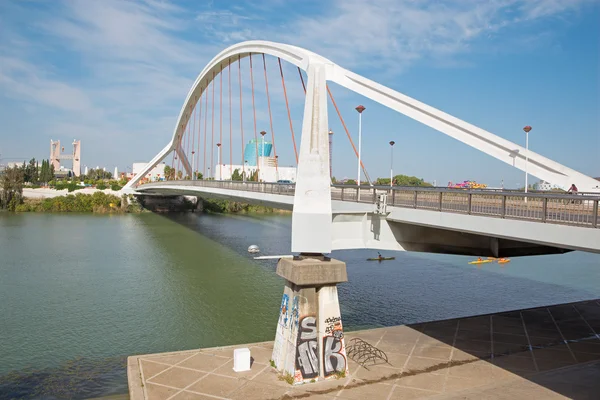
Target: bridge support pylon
pixel 309 343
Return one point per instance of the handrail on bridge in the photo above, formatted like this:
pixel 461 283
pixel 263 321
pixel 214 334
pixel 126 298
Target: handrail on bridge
pixel 570 209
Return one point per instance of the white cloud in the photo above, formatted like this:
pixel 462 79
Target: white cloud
pixel 124 67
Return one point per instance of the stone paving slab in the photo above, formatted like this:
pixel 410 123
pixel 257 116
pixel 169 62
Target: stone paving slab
pixel 547 352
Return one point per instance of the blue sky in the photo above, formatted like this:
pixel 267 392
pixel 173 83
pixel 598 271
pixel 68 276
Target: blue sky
pixel 114 73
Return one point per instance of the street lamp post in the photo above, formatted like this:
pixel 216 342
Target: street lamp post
pixel 219 160
pixel 526 129
pixel 360 110
pixel 392 143
pixel 262 133
pixel 276 168
pixel 245 169
pixel 193 172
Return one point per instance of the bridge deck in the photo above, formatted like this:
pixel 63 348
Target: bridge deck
pixel 575 210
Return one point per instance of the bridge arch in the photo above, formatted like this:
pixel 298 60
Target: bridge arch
pixel 471 135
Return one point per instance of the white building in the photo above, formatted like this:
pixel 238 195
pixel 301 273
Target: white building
pixel 543 185
pixel 155 174
pixel 268 171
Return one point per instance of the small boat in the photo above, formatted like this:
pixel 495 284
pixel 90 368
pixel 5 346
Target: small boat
pixel 381 258
pixel 253 249
pixel 503 261
pixel 480 261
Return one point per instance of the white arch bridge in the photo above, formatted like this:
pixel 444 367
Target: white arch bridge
pixel 327 217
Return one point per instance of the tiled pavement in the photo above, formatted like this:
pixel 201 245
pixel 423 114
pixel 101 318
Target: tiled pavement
pixel 549 352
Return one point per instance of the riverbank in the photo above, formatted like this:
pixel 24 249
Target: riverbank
pixel 108 201
pixel 98 202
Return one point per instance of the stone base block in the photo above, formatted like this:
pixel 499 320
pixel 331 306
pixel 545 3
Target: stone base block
pixel 309 343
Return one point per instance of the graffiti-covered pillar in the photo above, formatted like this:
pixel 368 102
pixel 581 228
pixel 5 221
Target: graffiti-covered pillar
pixel 309 343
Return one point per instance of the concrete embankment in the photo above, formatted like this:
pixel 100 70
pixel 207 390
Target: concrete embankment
pixel 541 353
pixel 44 193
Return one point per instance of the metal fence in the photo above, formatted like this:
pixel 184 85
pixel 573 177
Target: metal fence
pixel 568 209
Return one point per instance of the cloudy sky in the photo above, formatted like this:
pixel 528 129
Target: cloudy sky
pixel 114 73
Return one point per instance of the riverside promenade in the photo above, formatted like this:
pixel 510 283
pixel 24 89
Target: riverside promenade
pixel 548 352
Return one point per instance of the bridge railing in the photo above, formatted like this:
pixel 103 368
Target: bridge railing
pixel 571 209
pixel 568 209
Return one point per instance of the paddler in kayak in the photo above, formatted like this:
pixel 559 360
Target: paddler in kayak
pixel 379 256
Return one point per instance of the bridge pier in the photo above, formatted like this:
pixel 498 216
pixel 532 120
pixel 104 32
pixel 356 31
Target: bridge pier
pixel 309 342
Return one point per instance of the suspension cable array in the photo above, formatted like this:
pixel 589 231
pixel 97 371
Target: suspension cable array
pixel 192 141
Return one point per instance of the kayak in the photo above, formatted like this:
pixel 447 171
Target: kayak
pixel 381 259
pixel 503 261
pixel 480 262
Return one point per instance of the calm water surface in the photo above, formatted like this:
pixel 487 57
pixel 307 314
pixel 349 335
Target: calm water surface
pixel 79 293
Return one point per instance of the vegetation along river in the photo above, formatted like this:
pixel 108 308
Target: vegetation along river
pixel 79 293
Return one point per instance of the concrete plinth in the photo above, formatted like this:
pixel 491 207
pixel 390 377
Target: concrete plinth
pixel 309 343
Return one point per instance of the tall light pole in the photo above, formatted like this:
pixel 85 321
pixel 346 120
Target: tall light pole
pixel 330 155
pixel 262 133
pixel 392 143
pixel 219 160
pixel 245 169
pixel 360 110
pixel 193 172
pixel 526 129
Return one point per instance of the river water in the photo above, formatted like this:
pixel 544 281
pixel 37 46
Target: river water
pixel 79 293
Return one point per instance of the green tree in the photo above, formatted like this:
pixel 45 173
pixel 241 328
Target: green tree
pixel 350 182
pixel 254 176
pixel 169 173
pixel 12 188
pixel 405 180
pixel 179 174
pixel 199 175
pixel 236 176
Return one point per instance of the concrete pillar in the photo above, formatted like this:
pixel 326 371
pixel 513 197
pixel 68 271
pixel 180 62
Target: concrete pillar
pixel 309 343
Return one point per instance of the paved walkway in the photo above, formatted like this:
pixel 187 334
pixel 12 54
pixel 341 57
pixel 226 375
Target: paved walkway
pixel 549 352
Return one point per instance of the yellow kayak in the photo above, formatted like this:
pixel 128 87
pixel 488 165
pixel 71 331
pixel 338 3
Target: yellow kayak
pixel 480 262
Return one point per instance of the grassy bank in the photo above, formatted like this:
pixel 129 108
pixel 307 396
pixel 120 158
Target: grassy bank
pixel 95 203
pixel 233 207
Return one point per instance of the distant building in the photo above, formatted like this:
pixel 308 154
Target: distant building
pixel 268 171
pixel 155 174
pixel 264 150
pixel 545 186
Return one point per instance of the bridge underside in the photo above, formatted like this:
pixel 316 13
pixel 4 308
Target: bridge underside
pixel 358 226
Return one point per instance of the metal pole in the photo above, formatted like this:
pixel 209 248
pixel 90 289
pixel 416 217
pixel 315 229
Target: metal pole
pixel 392 143
pixel 526 159
pixel 526 129
pixel 360 109
pixel 193 173
pixel 359 151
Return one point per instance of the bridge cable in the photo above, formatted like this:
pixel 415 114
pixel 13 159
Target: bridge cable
pixel 254 111
pixel 348 134
pixel 270 116
pixel 230 128
pixel 287 105
pixel 212 138
pixel 302 79
pixel 205 130
pixel 194 111
pixel 189 138
pixel 220 124
pixel 241 119
pixel 199 105
pixel 178 147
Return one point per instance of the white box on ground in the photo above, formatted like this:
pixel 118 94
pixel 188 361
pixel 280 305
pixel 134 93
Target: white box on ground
pixel 241 360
